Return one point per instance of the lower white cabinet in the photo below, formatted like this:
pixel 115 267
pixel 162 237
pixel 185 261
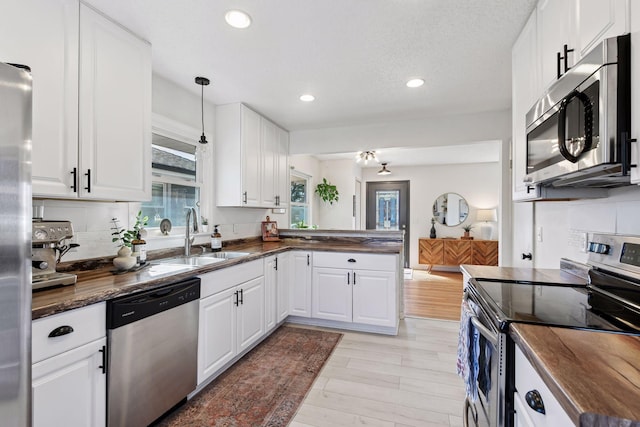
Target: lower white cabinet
pixel 529 382
pixel 300 283
pixel 68 375
pixel 282 286
pixel 366 296
pixel 231 319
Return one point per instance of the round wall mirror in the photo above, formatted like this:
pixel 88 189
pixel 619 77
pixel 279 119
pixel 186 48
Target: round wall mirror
pixel 450 209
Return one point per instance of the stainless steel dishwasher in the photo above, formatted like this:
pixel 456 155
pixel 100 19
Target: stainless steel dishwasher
pixel 153 346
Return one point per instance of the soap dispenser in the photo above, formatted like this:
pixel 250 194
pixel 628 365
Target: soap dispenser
pixel 216 239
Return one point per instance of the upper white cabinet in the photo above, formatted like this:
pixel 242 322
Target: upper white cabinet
pixel 525 90
pixel 251 159
pixel 44 35
pixel 578 24
pixel 91 99
pixel 115 111
pixel 635 92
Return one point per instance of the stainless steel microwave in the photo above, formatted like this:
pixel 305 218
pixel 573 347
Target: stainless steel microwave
pixel 578 133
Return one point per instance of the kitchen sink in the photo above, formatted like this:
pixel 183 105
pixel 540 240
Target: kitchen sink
pixel 224 255
pixel 195 261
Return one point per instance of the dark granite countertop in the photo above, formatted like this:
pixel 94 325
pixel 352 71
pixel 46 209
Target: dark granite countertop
pixel 594 375
pixel 96 281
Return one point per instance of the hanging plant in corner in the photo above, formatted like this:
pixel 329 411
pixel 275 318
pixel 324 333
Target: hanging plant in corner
pixel 327 192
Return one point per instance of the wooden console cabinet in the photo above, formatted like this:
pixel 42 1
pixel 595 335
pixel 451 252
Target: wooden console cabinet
pixel 455 252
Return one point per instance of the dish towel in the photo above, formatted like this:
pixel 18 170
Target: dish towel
pixel 468 350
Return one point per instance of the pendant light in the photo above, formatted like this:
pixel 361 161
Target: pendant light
pixel 384 170
pixel 202 81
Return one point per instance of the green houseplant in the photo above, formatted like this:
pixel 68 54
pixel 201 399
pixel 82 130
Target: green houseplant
pixel 467 228
pixel 327 192
pixel 123 236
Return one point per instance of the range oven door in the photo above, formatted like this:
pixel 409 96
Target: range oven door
pixel 490 408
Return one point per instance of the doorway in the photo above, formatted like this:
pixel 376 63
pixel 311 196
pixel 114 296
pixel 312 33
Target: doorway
pixel 387 208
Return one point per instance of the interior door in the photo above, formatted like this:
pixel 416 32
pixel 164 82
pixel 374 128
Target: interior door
pixel 388 209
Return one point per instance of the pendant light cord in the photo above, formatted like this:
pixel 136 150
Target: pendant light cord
pixel 202 106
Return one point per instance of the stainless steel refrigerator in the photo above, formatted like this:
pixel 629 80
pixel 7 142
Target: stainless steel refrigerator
pixel 15 246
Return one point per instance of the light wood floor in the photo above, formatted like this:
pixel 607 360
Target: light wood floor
pixel 401 381
pixel 433 295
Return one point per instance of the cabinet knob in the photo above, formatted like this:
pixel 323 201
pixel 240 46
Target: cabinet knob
pixel 527 256
pixel 351 260
pixel 534 400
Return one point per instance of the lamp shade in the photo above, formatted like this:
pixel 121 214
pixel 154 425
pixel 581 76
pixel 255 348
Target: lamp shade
pixel 486 215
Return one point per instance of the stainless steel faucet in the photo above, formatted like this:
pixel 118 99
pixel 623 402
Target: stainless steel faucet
pixel 188 239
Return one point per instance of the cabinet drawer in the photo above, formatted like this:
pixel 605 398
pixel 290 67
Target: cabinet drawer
pixel 218 281
pixel 88 323
pixel 527 379
pixel 358 261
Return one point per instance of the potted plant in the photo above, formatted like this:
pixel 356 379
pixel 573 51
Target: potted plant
pixel 327 192
pixel 205 225
pixel 123 236
pixel 467 228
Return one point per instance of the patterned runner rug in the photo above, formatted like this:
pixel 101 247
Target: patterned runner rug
pixel 265 387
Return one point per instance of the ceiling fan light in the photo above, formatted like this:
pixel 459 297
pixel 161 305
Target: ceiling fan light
pixel 237 19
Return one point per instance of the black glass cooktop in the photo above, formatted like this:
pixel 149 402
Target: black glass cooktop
pixel 556 305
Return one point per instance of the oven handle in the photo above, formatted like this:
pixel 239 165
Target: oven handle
pixel 486 332
pixel 465 416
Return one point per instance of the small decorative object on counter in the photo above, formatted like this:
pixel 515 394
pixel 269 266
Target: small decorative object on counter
pixel 467 228
pixel 433 229
pixel 204 225
pixel 216 239
pixel 140 249
pixel 165 226
pixel 124 260
pixel 270 230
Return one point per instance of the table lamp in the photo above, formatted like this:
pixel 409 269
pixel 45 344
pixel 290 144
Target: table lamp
pixel 486 216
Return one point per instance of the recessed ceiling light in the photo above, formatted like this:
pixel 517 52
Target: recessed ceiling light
pixel 237 19
pixel 307 98
pixel 415 83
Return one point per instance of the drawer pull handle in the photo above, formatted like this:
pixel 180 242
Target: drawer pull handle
pixel 60 331
pixel 351 260
pixel 534 400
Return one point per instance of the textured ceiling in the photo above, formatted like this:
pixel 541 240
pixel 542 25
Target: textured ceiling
pixel 353 55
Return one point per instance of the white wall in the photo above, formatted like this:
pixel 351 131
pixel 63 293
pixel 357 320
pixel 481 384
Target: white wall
pixel 342 174
pixel 91 220
pixel 562 222
pixel 478 183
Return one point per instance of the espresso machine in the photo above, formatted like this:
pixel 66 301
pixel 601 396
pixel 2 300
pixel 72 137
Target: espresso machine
pixel 46 250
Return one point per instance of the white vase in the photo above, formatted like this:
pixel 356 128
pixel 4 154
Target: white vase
pixel 124 260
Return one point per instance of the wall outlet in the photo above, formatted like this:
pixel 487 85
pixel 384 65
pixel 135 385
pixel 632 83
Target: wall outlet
pixel 235 228
pixel 539 234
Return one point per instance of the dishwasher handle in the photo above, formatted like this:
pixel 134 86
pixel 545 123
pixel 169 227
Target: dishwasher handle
pixel 129 309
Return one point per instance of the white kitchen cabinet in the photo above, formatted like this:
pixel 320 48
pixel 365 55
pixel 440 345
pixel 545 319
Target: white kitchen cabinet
pixel 68 374
pixel 217 332
pixel 232 315
pixel 282 284
pixel 520 416
pixel 283 182
pixel 104 90
pixel 365 295
pixel 555 28
pixel 270 291
pixel 635 92
pixel 374 297
pixel 248 158
pixel 269 147
pixel 44 35
pixel 580 24
pixel 525 90
pixel 331 294
pixel 528 380
pixel 70 388
pixel 115 111
pixel 300 283
pixel 276 283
